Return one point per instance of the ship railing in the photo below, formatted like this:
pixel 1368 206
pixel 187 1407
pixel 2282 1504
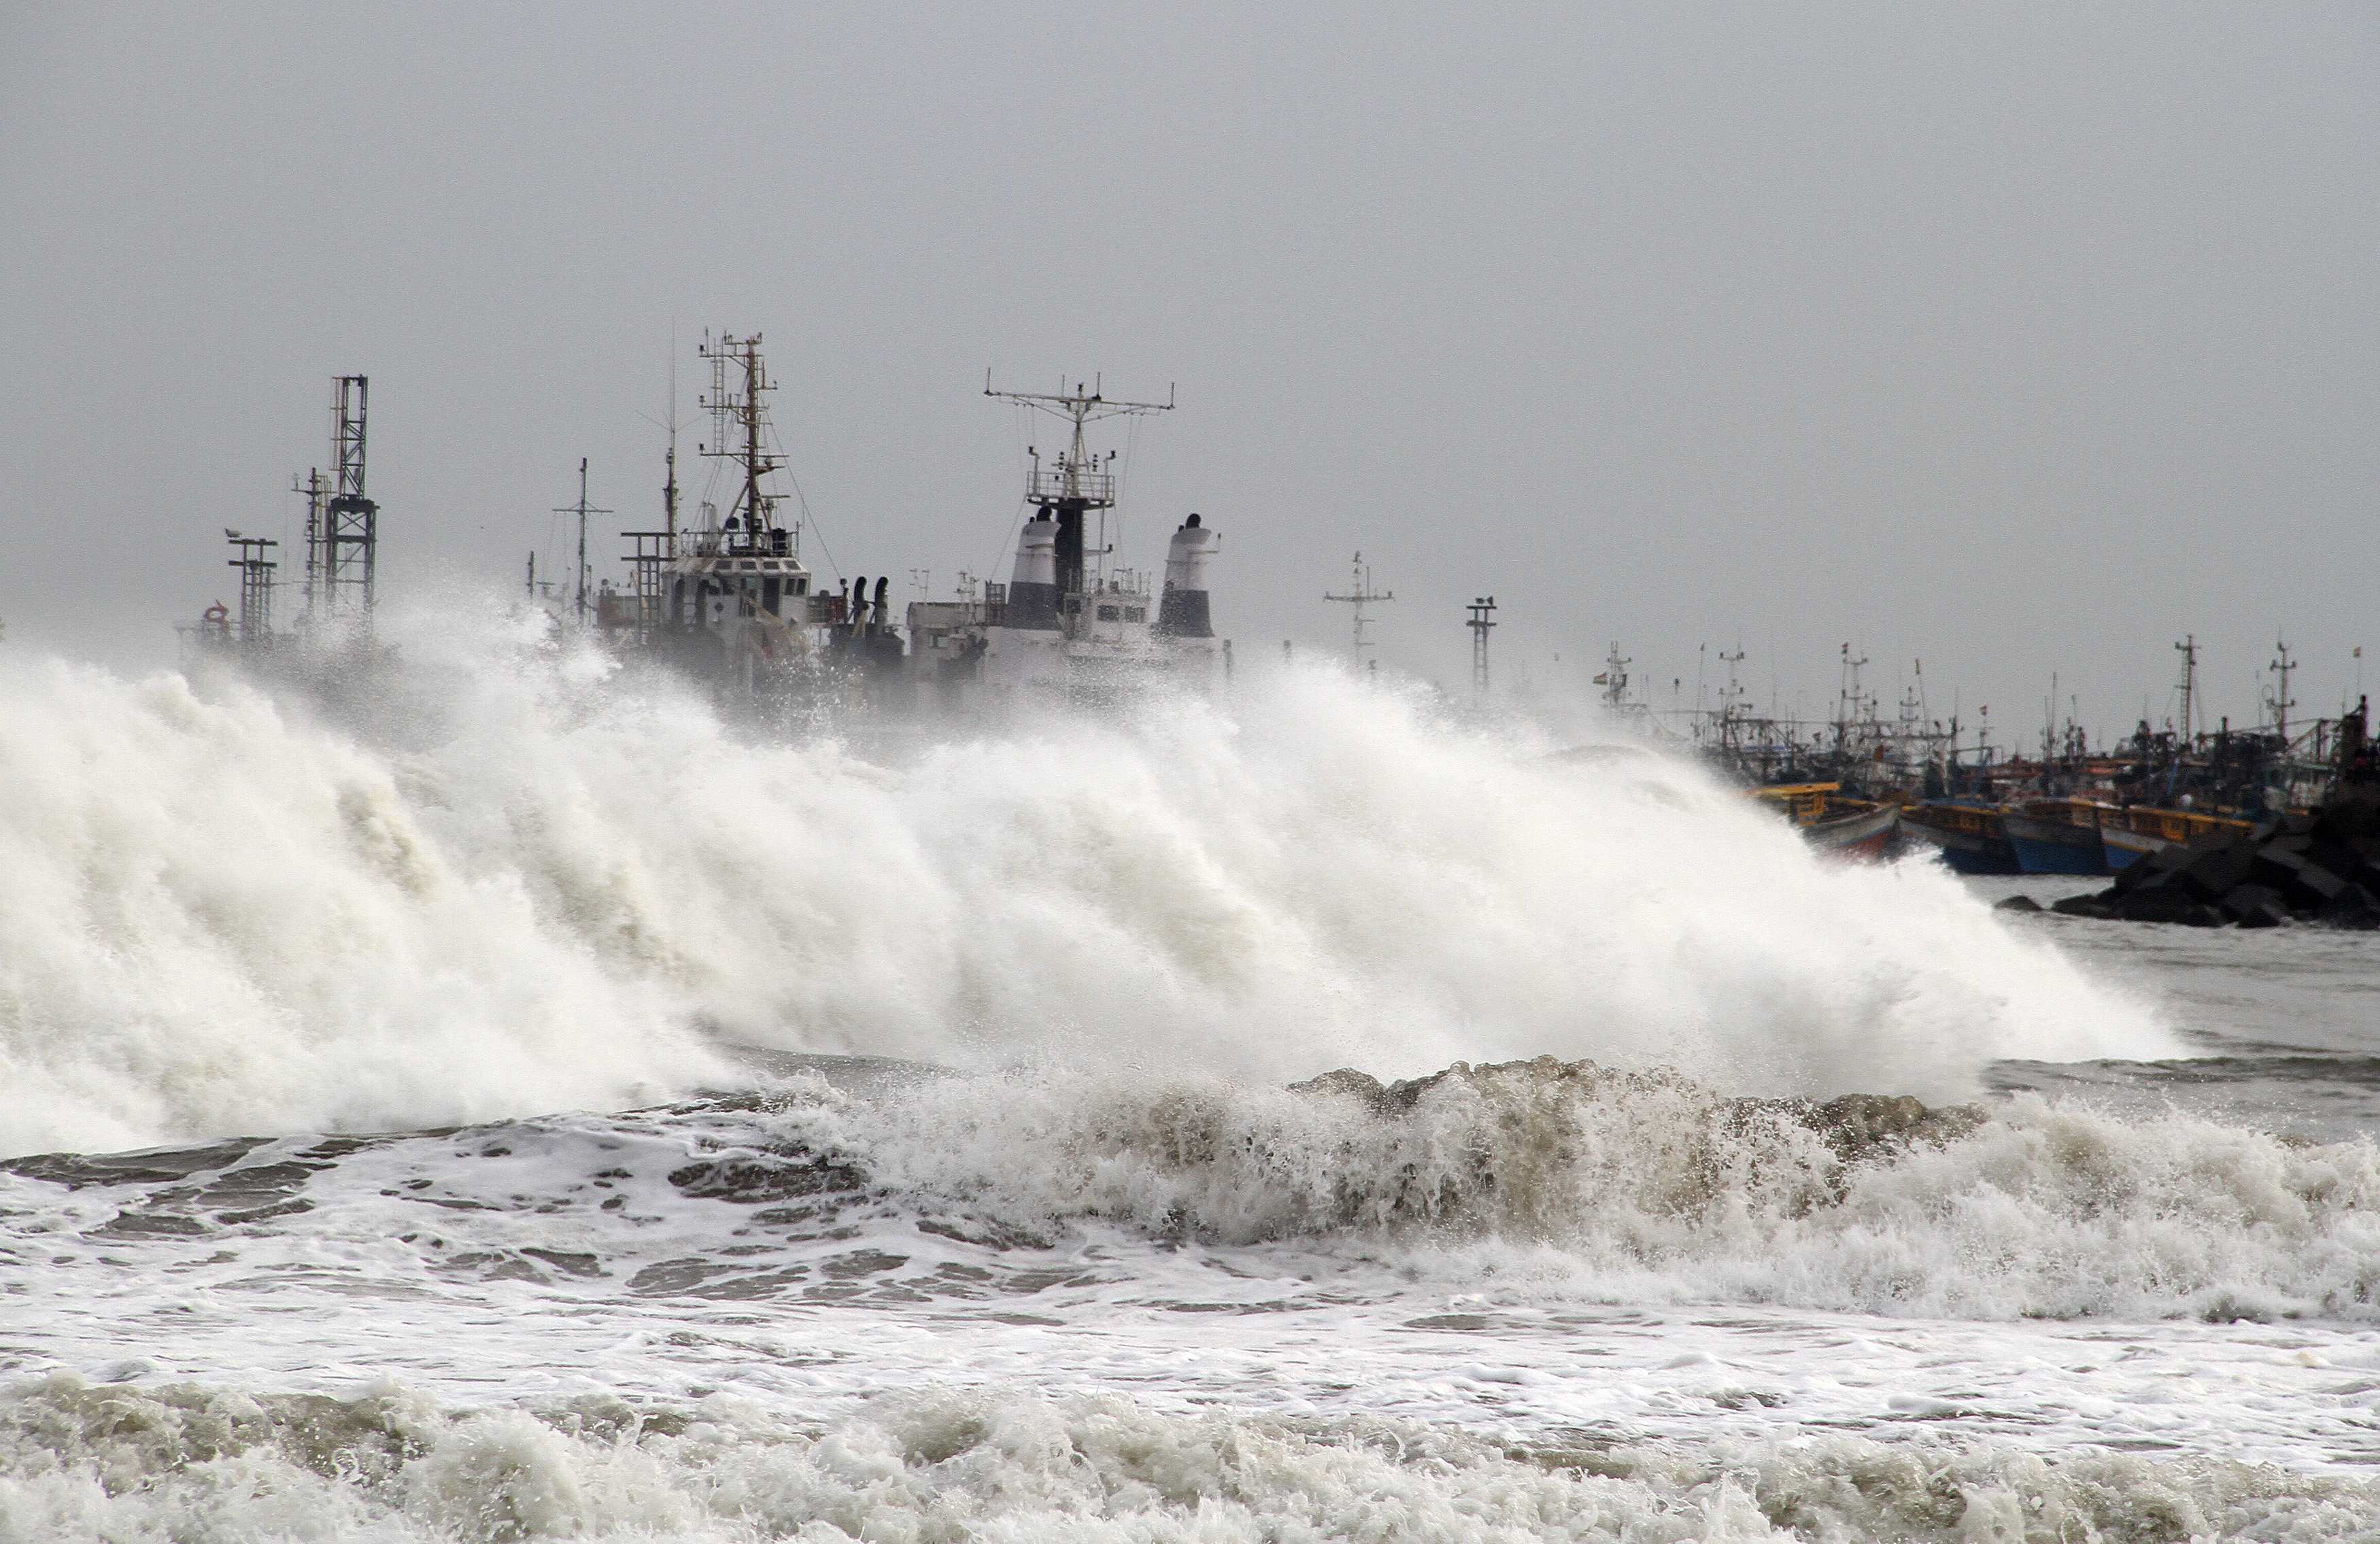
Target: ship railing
pixel 735 543
pixel 1070 482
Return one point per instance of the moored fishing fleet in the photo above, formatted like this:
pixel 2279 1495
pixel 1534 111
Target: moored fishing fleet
pixel 1865 785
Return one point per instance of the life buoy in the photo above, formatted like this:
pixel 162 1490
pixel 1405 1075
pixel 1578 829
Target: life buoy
pixel 218 612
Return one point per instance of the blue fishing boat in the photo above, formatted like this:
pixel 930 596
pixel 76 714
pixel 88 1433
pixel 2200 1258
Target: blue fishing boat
pixel 1967 835
pixel 2058 836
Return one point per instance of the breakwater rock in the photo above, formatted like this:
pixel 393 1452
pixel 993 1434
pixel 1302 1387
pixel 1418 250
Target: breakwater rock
pixel 2321 868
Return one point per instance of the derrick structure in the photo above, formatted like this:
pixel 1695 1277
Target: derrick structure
pixel 350 524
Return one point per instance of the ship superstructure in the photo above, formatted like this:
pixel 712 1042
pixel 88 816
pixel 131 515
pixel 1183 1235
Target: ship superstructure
pixel 1069 624
pixel 730 596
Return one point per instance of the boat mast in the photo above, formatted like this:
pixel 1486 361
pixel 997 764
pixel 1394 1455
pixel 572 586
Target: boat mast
pixel 2282 702
pixel 1080 481
pixel 582 509
pixel 1615 679
pixel 1360 594
pixel 740 416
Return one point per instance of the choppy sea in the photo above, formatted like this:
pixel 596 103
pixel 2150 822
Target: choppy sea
pixel 540 1108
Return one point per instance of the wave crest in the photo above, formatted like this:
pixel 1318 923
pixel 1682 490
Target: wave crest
pixel 1641 1186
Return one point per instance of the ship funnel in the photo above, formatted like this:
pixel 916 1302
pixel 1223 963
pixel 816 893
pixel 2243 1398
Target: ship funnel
pixel 1182 610
pixel 1033 594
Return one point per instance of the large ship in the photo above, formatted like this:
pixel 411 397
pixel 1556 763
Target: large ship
pixel 1068 626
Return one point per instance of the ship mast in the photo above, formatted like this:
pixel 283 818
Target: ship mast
pixel 741 415
pixel 1079 482
pixel 1614 679
pixel 2282 701
pixel 1360 594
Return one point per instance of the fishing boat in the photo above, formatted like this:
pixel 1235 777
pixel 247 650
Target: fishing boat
pixel 1832 823
pixel 2128 836
pixel 1969 836
pixel 1863 835
pixel 2057 836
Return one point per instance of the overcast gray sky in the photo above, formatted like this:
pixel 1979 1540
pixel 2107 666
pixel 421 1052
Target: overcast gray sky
pixel 2012 338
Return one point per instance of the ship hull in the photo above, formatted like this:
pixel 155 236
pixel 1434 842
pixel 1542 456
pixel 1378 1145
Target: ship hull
pixel 1967 852
pixel 2120 848
pixel 1863 838
pixel 2053 847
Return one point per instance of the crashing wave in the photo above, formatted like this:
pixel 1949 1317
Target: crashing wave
pixel 520 886
pixel 1650 1185
pixel 1560 1176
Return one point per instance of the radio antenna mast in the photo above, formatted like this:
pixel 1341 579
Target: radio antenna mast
pixel 739 422
pixel 582 509
pixel 1360 594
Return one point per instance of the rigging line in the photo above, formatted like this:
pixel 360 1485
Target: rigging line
pixel 819 538
pixel 1007 552
pixel 809 517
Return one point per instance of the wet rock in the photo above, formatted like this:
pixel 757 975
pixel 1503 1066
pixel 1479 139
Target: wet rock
pixel 2355 908
pixel 2018 904
pixel 2254 905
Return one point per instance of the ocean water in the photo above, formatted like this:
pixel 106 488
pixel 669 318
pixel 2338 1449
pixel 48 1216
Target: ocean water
pixel 525 1105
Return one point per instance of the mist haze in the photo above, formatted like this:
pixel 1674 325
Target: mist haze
pixel 2016 342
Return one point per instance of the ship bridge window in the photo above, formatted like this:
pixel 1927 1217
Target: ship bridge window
pixel 1111 614
pixel 801 584
pixel 769 591
pixel 1136 614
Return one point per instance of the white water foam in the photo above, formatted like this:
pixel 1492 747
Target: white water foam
pixel 196 1466
pixel 524 887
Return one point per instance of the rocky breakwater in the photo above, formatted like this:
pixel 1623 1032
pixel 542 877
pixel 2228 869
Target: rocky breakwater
pixel 2321 868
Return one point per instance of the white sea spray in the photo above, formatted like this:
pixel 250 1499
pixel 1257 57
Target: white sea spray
pixel 522 883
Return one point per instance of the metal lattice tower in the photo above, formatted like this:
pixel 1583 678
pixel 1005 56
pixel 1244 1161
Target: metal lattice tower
pixel 1360 594
pixel 1483 611
pixel 350 528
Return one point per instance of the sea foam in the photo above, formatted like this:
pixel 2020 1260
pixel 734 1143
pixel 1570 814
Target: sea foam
pixel 188 1463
